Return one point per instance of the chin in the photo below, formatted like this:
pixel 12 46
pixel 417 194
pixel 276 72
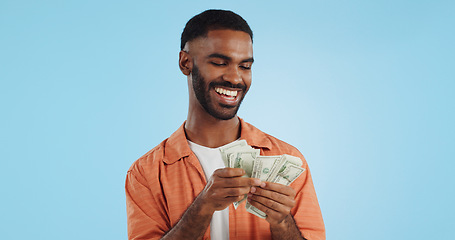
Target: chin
pixel 223 115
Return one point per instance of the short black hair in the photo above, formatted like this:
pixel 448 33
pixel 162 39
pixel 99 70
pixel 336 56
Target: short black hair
pixel 213 19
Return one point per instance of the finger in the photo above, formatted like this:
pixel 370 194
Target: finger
pixel 270 204
pixel 234 199
pixel 225 202
pixel 230 192
pixel 271 213
pixel 274 196
pixel 280 188
pixel 229 172
pixel 239 182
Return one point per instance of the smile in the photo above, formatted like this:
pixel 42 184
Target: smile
pixel 229 93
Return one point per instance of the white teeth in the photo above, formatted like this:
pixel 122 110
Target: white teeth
pixel 226 92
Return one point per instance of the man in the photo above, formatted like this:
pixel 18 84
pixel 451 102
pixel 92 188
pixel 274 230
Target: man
pixel 181 188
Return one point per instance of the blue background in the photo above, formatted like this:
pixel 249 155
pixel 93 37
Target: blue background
pixel 365 90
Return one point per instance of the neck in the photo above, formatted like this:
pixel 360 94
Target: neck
pixel 210 132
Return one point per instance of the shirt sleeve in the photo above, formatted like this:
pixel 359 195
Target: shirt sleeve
pixel 145 206
pixel 307 213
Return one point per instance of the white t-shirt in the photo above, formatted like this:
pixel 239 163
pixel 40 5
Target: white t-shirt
pixel 211 160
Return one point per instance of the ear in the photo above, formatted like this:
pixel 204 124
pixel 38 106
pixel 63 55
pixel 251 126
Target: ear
pixel 185 62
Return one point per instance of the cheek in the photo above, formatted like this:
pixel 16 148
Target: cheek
pixel 247 79
pixel 210 72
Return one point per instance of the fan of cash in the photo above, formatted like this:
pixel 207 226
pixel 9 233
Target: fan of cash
pixel 283 169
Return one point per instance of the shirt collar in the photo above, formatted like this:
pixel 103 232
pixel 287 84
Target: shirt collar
pixel 176 147
pixel 253 136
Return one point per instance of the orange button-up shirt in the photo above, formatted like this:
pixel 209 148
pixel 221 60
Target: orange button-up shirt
pixel 163 183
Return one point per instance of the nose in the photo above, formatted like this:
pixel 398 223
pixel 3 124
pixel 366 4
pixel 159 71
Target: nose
pixel 233 75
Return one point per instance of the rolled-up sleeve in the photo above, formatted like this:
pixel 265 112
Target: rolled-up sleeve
pixel 145 206
pixel 307 213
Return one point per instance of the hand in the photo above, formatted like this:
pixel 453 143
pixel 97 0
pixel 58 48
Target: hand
pixel 224 187
pixel 276 200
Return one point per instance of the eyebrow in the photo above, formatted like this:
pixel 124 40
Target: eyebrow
pixel 218 55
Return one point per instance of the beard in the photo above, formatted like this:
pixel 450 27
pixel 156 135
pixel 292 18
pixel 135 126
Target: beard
pixel 202 91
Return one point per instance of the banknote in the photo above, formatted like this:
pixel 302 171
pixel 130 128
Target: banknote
pixel 282 169
pixel 233 153
pixel 252 209
pixel 285 161
pixel 264 165
pixel 288 175
pixel 231 148
pixel 245 160
pixel 294 160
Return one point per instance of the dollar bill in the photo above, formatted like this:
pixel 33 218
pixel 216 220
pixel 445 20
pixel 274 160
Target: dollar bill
pixel 285 161
pixel 282 169
pixel 237 204
pixel 288 175
pixel 294 160
pixel 230 155
pixel 252 209
pixel 231 148
pixel 244 160
pixel 264 165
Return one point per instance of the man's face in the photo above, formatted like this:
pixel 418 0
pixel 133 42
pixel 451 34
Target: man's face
pixel 221 73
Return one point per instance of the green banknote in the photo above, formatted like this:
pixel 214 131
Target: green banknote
pixel 282 169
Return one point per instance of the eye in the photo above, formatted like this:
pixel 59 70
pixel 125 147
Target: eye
pixel 219 64
pixel 245 67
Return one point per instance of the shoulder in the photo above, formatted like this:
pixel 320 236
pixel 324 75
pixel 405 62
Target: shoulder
pixel 149 161
pixel 270 144
pixel 279 146
pixel 167 152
